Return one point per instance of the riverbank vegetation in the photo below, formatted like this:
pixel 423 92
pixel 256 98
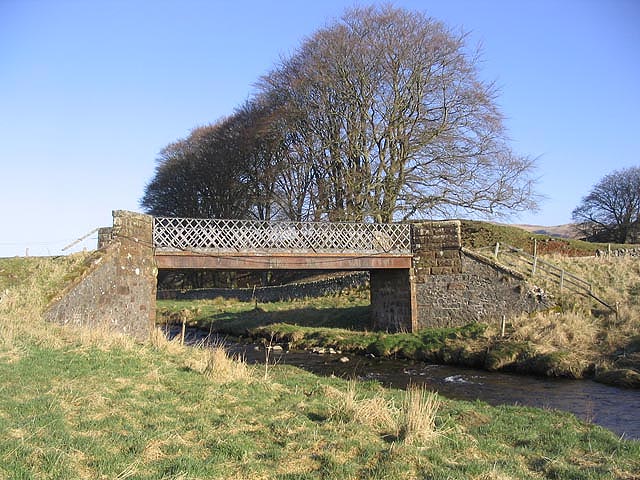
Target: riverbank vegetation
pixel 78 404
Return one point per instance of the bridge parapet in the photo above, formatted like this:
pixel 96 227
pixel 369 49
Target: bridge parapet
pixel 203 235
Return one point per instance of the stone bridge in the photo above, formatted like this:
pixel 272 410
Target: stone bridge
pixel 420 275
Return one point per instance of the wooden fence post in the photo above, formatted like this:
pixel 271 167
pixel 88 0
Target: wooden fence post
pixel 535 257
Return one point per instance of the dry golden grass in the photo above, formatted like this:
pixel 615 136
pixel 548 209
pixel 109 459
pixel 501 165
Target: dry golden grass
pixel 584 326
pixel 376 412
pixel 215 363
pixel 23 303
pixel 552 331
pixel 414 423
pixel 418 420
pixel 614 279
pixel 224 368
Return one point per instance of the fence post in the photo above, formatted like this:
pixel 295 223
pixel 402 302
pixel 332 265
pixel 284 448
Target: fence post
pixel 497 249
pixel 535 257
pixel 561 279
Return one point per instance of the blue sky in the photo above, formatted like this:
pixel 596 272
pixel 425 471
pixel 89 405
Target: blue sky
pixel 91 90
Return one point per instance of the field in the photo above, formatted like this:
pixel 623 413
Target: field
pixel 79 404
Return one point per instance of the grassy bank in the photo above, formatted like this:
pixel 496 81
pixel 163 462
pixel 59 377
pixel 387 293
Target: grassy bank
pixel 147 413
pixel 79 404
pixel 340 322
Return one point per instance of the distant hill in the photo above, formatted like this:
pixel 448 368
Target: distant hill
pixel 567 230
pixel 560 239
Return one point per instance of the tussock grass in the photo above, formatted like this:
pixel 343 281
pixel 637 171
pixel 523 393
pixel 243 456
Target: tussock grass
pixel 222 367
pixel 213 361
pixel 418 420
pixel 552 331
pixel 413 423
pixel 375 412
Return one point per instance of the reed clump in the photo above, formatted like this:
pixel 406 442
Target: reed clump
pixel 374 411
pixel 413 423
pixel 417 423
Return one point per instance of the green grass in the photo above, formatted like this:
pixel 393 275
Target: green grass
pixel 339 322
pixel 350 312
pixel 78 412
pixel 301 325
pixel 93 407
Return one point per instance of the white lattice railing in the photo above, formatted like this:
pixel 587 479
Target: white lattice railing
pixel 214 235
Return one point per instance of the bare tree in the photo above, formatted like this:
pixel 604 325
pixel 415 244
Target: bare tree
pixel 389 105
pixel 611 211
pixel 261 150
pixel 202 176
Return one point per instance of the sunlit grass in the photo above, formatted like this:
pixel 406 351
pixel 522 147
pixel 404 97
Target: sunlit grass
pixel 94 405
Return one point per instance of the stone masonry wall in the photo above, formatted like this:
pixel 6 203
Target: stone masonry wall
pixel 481 292
pixel 391 300
pixel 455 287
pixel 274 293
pixel 119 291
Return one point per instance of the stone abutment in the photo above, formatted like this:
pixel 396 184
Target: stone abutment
pixel 118 291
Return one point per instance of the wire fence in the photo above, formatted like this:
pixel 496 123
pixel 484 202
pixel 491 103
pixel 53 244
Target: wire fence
pixel 533 266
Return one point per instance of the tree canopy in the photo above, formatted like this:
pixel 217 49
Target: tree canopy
pixel 611 211
pixel 380 116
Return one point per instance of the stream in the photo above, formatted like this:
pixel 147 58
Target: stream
pixel 614 408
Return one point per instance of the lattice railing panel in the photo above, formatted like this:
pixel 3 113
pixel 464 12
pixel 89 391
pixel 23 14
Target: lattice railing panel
pixel 201 234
